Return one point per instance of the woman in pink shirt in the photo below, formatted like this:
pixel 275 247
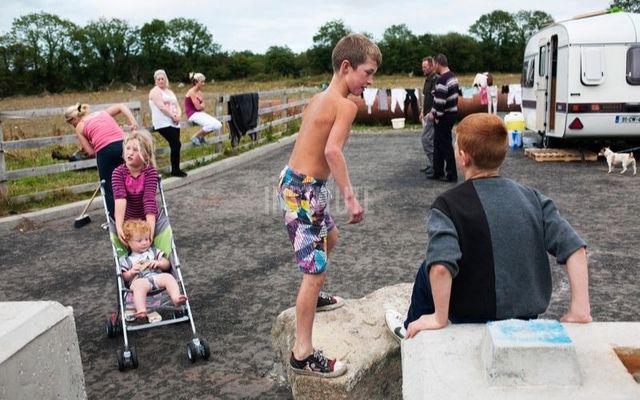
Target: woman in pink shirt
pixel 101 136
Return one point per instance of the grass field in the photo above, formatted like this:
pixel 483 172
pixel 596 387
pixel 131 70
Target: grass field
pixel 44 127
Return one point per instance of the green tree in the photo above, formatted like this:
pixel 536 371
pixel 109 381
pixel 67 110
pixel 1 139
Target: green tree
pixel 109 48
pixel 323 43
pixel 462 51
pixel 155 49
pixel 627 5
pixel 44 39
pixel 244 64
pixel 192 43
pixel 401 49
pixel 530 22
pixel 281 61
pixel 498 35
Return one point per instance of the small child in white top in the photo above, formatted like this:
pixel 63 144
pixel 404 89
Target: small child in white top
pixel 145 268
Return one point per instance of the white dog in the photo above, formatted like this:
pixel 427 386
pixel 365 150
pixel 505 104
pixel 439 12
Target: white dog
pixel 618 159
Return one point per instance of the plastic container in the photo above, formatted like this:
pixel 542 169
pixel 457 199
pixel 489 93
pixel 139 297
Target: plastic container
pixel 397 123
pixel 515 139
pixel 514 121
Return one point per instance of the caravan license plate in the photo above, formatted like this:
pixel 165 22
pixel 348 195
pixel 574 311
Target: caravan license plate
pixel 627 119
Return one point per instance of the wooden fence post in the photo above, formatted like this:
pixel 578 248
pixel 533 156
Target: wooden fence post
pixel 4 191
pixel 219 111
pixel 285 100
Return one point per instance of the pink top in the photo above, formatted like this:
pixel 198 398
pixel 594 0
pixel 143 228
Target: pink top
pixel 139 191
pixel 102 130
pixel 189 108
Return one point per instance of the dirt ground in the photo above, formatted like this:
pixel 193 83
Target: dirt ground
pixel 239 271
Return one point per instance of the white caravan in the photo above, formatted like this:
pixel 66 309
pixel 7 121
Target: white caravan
pixel 581 79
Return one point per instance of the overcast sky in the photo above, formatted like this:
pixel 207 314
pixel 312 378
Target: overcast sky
pixel 258 24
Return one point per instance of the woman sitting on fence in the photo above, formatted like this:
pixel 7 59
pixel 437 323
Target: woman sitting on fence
pixel 100 135
pixel 194 108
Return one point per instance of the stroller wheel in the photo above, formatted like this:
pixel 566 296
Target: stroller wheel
pixel 206 351
pixel 192 352
pixel 121 363
pixel 134 357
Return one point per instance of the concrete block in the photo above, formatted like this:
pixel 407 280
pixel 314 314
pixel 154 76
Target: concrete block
pixel 448 364
pixel 39 353
pixel 357 335
pixel 536 352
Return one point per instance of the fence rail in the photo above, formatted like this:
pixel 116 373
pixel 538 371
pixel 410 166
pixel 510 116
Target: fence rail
pixel 6 175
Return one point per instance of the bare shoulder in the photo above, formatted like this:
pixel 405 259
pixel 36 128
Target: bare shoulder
pixel 347 106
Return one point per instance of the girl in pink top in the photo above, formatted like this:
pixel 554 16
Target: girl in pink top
pixel 101 136
pixel 135 183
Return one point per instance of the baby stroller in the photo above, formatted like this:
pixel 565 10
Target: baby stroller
pixel 158 301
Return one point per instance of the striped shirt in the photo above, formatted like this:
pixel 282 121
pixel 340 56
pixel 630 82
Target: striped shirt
pixel 445 98
pixel 139 191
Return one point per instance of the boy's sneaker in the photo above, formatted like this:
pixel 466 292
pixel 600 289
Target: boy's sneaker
pixel 395 325
pixel 317 365
pixel 328 302
pixel 196 141
pixel 202 140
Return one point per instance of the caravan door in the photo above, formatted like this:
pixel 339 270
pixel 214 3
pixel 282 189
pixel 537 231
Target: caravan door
pixel 542 86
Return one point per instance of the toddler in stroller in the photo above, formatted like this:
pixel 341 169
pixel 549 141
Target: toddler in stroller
pixel 145 269
pixel 142 268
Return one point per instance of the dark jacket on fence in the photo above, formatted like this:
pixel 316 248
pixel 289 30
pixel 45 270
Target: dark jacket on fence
pixel 243 109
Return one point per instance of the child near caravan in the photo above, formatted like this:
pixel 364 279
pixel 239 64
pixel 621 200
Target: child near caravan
pixel 145 267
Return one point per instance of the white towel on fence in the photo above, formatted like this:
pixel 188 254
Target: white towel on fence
pixel 383 100
pixel 515 94
pixel 369 95
pixel 397 96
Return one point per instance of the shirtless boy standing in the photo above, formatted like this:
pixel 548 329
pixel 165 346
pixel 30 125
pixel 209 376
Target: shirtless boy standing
pixel 317 154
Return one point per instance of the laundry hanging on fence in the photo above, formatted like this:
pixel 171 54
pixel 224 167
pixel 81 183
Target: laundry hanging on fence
pixel 397 99
pixel 411 100
pixel 243 109
pixel 369 96
pixel 515 94
pixel 383 100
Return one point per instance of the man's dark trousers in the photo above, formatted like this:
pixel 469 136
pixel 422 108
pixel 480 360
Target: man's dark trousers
pixel 443 149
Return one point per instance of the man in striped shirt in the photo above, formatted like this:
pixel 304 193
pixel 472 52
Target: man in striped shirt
pixel 444 115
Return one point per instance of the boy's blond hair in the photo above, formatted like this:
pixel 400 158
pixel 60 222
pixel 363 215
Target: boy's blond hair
pixel 147 147
pixel 484 138
pixel 355 48
pixel 135 227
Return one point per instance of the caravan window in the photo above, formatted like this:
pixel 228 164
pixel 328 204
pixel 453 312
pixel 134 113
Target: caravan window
pixel 633 65
pixel 543 61
pixel 592 66
pixel 528 71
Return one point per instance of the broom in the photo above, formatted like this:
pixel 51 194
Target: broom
pixel 84 219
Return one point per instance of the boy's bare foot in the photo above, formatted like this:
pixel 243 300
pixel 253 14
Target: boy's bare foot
pixel 179 300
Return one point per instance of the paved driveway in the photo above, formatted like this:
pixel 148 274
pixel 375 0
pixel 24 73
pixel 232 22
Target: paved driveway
pixel 239 269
